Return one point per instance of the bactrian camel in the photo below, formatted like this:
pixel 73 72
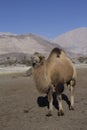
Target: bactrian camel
pixel 52 74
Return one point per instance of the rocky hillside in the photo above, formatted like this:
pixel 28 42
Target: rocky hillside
pixel 28 43
pixel 18 48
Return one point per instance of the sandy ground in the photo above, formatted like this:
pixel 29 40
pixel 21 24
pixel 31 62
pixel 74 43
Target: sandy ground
pixel 23 108
pixel 13 69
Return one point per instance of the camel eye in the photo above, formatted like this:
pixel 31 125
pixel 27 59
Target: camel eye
pixel 58 55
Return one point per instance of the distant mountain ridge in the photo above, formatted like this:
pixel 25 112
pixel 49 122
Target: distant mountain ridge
pixel 29 43
pixel 74 41
pixel 18 48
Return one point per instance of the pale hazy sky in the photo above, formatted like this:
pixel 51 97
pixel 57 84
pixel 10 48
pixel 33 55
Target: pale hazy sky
pixel 48 18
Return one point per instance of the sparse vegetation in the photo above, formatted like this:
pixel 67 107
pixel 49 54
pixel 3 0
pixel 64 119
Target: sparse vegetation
pixel 80 60
pixel 14 59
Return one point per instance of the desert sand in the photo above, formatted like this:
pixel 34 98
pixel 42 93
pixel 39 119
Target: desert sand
pixel 23 108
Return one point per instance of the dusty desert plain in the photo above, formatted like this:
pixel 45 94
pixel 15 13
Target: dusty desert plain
pixel 23 108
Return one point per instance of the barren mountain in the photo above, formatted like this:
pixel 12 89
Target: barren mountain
pixel 74 41
pixel 28 43
pixel 16 47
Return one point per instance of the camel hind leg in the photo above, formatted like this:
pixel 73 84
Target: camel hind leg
pixel 71 88
pixel 59 90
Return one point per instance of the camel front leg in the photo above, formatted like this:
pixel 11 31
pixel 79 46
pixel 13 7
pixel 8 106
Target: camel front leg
pixel 60 111
pixel 50 100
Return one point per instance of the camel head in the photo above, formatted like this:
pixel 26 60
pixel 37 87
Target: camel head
pixel 37 59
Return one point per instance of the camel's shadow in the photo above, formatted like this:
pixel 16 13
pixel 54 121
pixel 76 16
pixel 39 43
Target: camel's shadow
pixel 43 101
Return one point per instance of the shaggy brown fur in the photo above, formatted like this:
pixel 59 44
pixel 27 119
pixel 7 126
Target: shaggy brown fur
pixel 53 73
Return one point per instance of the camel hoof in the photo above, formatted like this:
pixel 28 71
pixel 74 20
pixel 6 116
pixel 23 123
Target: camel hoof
pixel 60 113
pixel 49 114
pixel 71 108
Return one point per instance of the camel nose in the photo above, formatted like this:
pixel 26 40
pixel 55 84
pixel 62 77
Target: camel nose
pixel 33 64
pixel 33 61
